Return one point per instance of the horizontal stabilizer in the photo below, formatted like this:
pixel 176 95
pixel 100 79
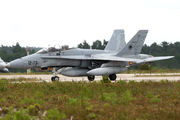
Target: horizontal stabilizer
pixel 152 59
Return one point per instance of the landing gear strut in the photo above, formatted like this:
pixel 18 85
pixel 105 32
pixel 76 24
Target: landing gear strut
pixel 112 77
pixel 91 77
pixel 54 77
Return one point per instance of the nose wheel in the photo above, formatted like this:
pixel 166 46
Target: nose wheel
pixel 56 78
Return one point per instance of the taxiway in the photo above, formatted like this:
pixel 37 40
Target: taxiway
pixel 125 77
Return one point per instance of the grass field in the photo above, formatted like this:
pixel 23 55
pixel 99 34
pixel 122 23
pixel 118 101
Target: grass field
pixel 21 79
pixel 95 100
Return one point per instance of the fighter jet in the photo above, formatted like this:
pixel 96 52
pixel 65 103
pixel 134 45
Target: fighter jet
pixel 2 66
pixel 90 62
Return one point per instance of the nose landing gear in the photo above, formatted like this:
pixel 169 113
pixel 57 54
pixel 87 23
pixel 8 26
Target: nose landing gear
pixel 54 77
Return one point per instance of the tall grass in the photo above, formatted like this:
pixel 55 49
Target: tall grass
pixel 95 100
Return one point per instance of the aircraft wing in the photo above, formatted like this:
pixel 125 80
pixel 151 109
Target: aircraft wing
pixel 152 59
pixel 94 57
pixel 107 58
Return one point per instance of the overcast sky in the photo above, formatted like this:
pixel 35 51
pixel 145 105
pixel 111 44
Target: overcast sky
pixel 39 23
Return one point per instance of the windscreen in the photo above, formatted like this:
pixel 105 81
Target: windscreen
pixel 42 51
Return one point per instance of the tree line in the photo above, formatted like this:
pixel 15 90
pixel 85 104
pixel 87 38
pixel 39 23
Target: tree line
pixel 164 49
pixel 9 53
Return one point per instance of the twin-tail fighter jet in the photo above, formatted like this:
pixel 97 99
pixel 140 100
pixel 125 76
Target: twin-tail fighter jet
pixel 114 59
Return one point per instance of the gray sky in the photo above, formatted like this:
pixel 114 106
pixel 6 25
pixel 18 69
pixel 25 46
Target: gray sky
pixel 40 23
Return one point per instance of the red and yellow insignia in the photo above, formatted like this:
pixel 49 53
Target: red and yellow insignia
pixel 130 63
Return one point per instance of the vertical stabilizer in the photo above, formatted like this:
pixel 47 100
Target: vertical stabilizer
pixel 117 41
pixel 134 46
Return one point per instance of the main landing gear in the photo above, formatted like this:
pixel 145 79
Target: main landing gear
pixel 112 77
pixel 91 77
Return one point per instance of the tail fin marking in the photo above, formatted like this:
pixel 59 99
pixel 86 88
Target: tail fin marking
pixel 134 46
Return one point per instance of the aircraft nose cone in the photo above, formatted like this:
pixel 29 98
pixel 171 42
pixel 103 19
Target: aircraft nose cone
pixel 18 63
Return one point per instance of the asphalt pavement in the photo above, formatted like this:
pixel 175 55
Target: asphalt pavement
pixel 125 77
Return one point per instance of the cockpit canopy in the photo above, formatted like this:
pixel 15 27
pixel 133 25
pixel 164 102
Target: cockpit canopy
pixel 53 49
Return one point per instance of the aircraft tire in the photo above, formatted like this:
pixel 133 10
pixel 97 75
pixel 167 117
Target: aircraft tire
pixel 52 78
pixel 112 77
pixel 56 78
pixel 91 77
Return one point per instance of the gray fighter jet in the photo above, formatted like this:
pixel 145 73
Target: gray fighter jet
pixel 90 62
pixel 2 66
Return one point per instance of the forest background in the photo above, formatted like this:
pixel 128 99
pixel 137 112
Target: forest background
pixel 9 53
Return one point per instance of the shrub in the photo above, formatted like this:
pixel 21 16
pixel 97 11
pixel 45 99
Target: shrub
pixel 38 95
pixel 149 95
pixel 73 101
pixel 87 93
pixel 155 99
pixel 121 82
pixel 2 100
pixel 109 97
pixel 19 115
pixel 27 100
pixel 3 85
pixel 40 102
pixel 33 109
pixel 92 115
pixel 53 114
pixel 127 97
pixel 90 107
pixel 105 79
pixel 106 104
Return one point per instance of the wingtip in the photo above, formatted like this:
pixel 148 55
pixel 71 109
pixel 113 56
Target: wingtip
pixel 170 56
